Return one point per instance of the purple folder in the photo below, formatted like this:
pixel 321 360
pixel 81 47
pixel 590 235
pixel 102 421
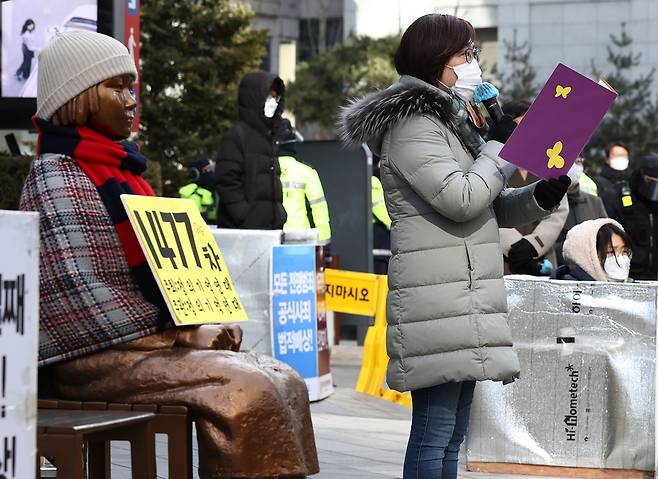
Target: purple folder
pixel 558 124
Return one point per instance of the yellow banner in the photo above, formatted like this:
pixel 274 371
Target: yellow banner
pixel 185 260
pixel 350 292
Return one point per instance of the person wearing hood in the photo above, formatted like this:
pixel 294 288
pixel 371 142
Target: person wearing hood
pixel 445 192
pixel 201 188
pixel 596 250
pixel 247 174
pixel 582 206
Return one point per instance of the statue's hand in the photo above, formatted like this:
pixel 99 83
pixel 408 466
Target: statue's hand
pixel 235 333
pixel 210 336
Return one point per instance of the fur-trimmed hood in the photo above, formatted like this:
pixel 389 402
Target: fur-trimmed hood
pixel 366 119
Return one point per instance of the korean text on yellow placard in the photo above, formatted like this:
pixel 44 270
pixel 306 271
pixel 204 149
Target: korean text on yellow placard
pixel 350 292
pixel 185 260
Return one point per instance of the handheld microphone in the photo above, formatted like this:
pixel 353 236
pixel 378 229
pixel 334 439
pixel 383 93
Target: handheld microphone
pixel 487 94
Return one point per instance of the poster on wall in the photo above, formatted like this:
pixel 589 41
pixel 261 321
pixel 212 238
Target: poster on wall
pixel 27 26
pixel 19 329
pixel 299 327
pixel 131 36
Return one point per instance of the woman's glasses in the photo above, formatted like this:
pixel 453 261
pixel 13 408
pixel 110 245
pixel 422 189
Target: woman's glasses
pixel 471 53
pixel 624 250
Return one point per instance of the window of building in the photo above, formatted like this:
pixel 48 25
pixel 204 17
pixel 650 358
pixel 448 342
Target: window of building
pixel 334 31
pixel 266 62
pixel 487 40
pixel 310 36
pixel 309 31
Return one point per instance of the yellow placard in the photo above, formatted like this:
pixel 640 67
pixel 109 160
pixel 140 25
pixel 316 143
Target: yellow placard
pixel 185 260
pixel 350 292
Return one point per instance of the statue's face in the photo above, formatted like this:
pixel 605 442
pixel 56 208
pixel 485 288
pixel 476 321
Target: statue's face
pixel 117 108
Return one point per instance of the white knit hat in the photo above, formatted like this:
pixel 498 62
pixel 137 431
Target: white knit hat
pixel 74 61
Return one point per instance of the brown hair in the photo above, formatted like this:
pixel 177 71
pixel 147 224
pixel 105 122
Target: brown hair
pixel 76 111
pixel 429 43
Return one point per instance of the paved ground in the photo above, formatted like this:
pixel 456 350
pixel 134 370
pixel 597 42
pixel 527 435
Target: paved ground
pixel 358 436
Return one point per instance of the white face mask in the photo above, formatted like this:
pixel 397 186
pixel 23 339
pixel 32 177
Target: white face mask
pixel 469 76
pixel 619 163
pixel 617 267
pixel 270 107
pixel 575 173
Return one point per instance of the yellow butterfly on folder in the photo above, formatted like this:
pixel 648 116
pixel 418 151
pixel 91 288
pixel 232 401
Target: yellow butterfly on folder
pixel 562 91
pixel 554 158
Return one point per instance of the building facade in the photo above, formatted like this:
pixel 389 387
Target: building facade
pixel 298 29
pixel 574 32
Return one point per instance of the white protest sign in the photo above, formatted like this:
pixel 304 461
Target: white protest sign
pixel 19 341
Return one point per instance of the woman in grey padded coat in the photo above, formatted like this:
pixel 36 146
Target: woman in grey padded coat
pixel 445 192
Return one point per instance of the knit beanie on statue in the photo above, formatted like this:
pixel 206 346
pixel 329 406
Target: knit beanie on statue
pixel 74 61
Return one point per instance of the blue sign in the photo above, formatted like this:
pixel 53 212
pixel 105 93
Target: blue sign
pixel 132 6
pixel 294 301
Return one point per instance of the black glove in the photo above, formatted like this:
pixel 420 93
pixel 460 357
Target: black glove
pixel 502 130
pixel 532 268
pixel 521 252
pixel 549 193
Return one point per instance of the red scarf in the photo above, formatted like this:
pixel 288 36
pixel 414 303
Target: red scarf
pixel 114 169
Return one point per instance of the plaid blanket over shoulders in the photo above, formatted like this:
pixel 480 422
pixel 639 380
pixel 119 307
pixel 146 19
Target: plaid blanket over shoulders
pixel 88 299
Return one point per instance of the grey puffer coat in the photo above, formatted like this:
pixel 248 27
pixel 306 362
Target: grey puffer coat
pixel 447 305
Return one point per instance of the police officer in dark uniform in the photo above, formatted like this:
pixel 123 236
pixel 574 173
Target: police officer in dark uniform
pixel 613 181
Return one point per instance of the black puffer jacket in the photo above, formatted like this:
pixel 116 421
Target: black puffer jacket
pixel 612 185
pixel 247 172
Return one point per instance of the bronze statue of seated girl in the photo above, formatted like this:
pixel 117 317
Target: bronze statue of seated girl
pixel 105 332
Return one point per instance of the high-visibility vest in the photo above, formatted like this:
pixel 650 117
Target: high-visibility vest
pixel 379 211
pixel 587 185
pixel 203 198
pixel 301 184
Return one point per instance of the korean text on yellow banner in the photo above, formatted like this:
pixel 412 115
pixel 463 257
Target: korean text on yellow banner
pixel 350 292
pixel 185 260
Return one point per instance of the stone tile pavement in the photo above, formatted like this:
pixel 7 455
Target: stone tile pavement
pixel 358 436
